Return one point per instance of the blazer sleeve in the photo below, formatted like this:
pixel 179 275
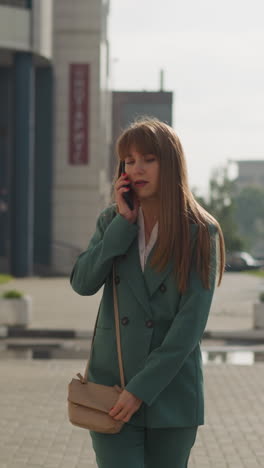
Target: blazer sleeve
pixel 163 363
pixel 112 237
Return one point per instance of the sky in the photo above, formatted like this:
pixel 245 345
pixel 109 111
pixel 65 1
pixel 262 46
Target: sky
pixel 212 54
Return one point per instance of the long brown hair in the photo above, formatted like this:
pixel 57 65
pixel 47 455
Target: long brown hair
pixel 178 208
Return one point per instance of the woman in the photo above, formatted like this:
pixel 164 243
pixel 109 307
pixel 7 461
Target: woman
pixel 165 259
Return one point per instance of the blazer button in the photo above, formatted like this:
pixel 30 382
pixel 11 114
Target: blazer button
pixel 163 288
pixel 149 323
pixel 125 321
pixel 117 280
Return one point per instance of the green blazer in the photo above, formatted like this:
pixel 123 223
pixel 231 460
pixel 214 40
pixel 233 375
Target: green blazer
pixel 161 329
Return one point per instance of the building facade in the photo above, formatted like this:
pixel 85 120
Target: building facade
pixel 55 132
pixel 250 172
pixel 130 105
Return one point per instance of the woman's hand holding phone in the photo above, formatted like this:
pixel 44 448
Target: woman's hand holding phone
pixel 123 208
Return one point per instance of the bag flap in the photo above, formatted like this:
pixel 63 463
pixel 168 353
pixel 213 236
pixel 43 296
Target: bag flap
pixel 92 395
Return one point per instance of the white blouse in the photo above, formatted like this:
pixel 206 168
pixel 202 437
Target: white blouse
pixel 144 249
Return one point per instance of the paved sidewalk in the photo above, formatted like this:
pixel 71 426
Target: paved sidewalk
pixel 35 432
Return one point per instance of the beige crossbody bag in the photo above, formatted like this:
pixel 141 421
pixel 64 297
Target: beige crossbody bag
pixel 89 403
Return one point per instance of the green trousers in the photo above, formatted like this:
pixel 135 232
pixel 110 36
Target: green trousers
pixel 143 447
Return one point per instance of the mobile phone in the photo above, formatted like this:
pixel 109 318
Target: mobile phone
pixel 128 196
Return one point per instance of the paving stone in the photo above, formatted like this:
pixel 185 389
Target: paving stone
pixel 231 438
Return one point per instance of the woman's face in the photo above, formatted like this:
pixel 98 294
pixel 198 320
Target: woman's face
pixel 143 173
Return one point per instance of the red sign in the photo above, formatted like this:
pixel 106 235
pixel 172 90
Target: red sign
pixel 78 117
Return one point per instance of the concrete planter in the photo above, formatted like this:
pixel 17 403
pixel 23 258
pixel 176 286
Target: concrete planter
pixel 16 312
pixel 258 315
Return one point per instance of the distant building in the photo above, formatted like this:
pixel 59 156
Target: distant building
pixel 250 172
pixel 129 105
pixel 55 130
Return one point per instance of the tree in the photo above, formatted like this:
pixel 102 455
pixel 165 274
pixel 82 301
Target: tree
pixel 220 204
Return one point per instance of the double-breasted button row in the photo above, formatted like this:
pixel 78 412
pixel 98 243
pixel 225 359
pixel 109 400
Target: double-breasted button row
pixel 149 323
pixel 125 321
pixel 163 288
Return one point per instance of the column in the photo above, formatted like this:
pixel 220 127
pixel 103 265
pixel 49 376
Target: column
pixel 23 167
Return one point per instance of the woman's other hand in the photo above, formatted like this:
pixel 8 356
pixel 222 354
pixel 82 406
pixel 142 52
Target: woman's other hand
pixel 123 208
pixel 126 405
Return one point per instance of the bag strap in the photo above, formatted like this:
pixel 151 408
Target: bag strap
pixel 118 339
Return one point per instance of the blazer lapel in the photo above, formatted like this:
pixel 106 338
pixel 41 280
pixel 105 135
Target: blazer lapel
pixel 144 284
pixel 154 278
pixel 132 273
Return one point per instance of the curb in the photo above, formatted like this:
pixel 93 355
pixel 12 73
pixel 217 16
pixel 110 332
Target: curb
pixel 19 332
pixel 245 336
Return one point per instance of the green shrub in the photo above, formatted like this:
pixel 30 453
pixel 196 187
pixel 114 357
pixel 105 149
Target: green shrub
pixel 5 278
pixel 12 294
